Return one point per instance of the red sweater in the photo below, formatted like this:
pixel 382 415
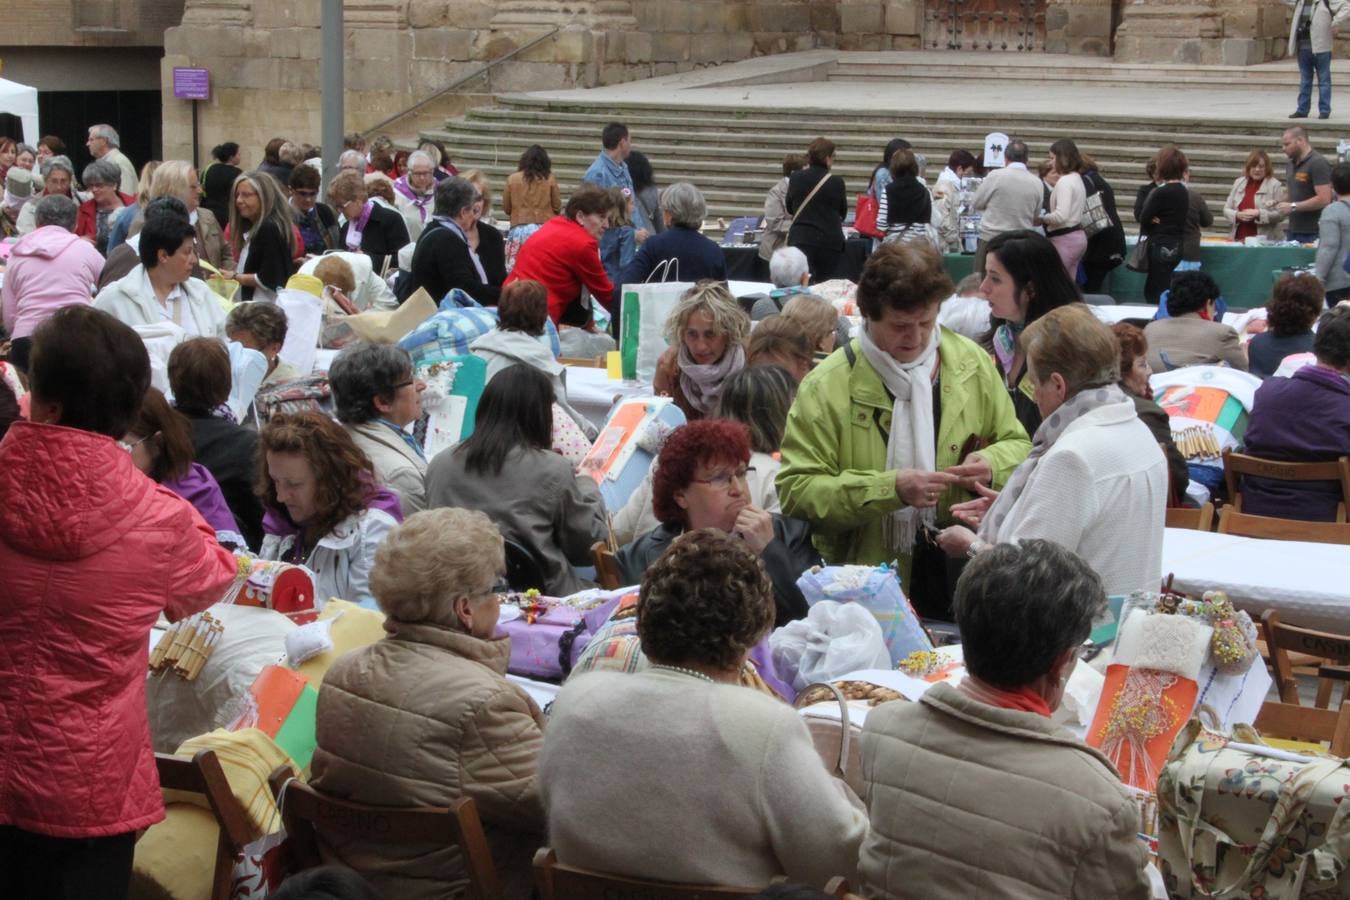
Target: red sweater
pixel 86 217
pixel 563 257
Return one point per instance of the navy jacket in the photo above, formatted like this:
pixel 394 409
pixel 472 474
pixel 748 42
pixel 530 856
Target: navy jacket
pixel 698 258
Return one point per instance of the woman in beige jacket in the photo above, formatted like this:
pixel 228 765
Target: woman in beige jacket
pixel 1252 207
pixel 973 791
pixel 425 716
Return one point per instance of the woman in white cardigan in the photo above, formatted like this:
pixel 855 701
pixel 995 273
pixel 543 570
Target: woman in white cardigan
pixel 1096 480
pixel 1063 221
pixel 162 288
pixel 1252 207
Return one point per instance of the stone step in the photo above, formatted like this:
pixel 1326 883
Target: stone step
pixel 1209 77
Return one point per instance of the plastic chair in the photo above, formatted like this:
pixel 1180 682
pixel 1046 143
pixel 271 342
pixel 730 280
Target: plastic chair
pixel 304 812
pixel 1236 465
pixel 556 881
pixel 203 775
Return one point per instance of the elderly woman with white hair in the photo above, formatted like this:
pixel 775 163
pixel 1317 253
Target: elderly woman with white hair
pixel 790 273
pixel 706 331
pixel 425 715
pixel 352 161
pixel 58 179
pixel 1095 481
pixel 415 192
pixel 692 256
pixel 95 217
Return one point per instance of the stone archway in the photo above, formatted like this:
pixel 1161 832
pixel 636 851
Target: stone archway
pixel 998 26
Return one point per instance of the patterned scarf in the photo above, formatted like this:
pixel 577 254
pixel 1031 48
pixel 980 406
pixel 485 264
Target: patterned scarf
pixel 702 385
pixel 1071 410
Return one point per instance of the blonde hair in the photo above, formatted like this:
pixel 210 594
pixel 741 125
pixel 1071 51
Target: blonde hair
pixel 173 178
pixel 433 557
pixel 379 185
pixel 713 298
pixel 815 314
pixel 1072 341
pixel 143 195
pixel 336 272
pixel 346 187
pixel 478 179
pixel 272 207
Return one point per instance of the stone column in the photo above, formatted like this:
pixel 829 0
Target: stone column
pixel 1209 32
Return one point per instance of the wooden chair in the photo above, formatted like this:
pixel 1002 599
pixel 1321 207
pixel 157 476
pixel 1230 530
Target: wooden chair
pixel 584 362
pixel 556 881
pixel 203 775
pixel 304 810
pixel 1284 641
pixel 1292 722
pixel 1201 519
pixel 607 573
pixel 1233 522
pixel 1239 464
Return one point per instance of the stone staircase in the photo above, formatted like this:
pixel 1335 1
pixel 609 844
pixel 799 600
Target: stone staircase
pixel 733 153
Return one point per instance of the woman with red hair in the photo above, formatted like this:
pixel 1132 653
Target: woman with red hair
pixel 701 482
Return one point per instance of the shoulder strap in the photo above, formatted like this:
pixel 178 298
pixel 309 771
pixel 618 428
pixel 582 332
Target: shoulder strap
pixel 848 352
pixel 819 185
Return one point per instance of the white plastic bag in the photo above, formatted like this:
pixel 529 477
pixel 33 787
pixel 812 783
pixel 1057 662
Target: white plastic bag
pixel 833 640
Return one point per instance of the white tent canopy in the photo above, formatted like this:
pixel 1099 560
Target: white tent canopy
pixel 22 101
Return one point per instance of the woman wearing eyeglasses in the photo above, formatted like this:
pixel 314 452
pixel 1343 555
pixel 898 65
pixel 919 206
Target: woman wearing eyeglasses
pixel 317 222
pixel 702 481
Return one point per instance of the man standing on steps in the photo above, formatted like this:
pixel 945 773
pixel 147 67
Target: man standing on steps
pixel 611 171
pixel 1308 185
pixel 1310 38
pixel 1008 199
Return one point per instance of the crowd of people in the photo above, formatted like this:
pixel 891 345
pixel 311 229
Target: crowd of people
pixel 1025 457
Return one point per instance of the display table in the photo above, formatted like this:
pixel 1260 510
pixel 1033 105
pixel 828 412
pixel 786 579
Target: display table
pixel 1245 274
pixel 744 264
pixel 592 392
pixel 1305 581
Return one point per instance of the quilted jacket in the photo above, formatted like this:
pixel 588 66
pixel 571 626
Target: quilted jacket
pixel 92 551
pixel 422 718
pixel 968 800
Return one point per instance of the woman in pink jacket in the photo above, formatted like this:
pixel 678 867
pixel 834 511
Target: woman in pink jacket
pixel 91 551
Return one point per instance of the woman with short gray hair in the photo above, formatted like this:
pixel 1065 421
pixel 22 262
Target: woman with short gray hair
pixel 444 259
pixel 1023 611
pixel 94 220
pixel 1095 481
pixel 689 255
pixel 377 397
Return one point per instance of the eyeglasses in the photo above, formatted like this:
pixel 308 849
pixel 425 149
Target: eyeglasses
pixel 722 480
pixel 132 446
pixel 299 193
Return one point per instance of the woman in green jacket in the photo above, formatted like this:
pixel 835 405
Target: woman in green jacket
pixel 869 489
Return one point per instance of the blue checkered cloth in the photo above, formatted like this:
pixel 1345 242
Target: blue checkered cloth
pixel 458 322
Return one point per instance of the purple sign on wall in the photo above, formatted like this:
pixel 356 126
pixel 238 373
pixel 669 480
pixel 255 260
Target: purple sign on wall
pixel 191 83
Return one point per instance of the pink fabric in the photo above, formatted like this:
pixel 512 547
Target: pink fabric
pixel 48 269
pixel 1071 248
pixel 91 552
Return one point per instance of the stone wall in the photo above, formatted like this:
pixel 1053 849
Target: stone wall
pixel 1080 27
pixel 1207 32
pixel 87 23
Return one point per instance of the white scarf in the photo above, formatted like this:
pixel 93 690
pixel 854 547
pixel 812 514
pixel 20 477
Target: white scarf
pixel 912 447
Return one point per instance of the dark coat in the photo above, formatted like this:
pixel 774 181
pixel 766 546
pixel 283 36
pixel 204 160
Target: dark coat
pixel 229 452
pixel 1304 418
pixel 386 233
pixel 787 556
pixel 269 259
pixel 821 223
pixel 441 263
pixel 218 185
pixel 696 258
pixel 907 203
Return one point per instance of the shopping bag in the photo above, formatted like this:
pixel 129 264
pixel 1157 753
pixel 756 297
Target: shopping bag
pixel 1138 261
pixel 833 640
pixel 304 321
pixel 865 211
pixel 877 590
pixel 643 315
pixel 282 704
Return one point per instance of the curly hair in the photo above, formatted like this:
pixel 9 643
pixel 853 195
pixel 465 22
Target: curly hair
pixel 535 164
pixel 344 479
pixel 1332 343
pixel 713 298
pixel 706 602
pixel 432 557
pixel 1295 303
pixel 1133 345
pixel 904 276
pixel 699 443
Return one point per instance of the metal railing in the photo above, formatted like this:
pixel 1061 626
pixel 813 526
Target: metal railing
pixel 485 69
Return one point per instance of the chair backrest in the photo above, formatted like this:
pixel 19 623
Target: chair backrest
pixel 1099 300
pixel 1201 519
pixel 556 881
pixel 607 573
pixel 1282 638
pixel 1306 723
pixel 305 811
pixel 1236 465
pixel 203 775
pixel 1233 522
pixel 584 362
pixel 524 570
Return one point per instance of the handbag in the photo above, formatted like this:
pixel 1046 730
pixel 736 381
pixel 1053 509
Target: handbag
pixel 865 210
pixel 1138 261
pixel 837 743
pixel 1096 219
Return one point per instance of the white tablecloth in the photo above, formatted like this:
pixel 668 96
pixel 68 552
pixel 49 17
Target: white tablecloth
pixel 1309 583
pixel 592 392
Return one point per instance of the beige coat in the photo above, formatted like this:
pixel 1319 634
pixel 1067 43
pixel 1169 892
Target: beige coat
pixel 1192 341
pixel 1268 195
pixel 422 718
pixel 968 800
pixel 397 466
pixel 530 202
